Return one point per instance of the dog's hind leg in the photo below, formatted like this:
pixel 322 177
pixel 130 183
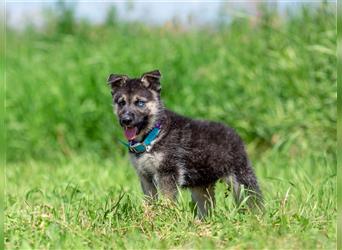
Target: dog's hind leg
pixel 204 198
pixel 245 185
pixel 167 186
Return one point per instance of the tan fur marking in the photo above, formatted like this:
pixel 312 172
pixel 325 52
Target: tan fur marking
pixel 116 108
pixel 145 82
pixel 147 163
pixel 122 98
pixel 137 97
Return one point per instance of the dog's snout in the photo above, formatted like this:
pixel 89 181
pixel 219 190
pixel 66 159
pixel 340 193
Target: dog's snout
pixel 127 119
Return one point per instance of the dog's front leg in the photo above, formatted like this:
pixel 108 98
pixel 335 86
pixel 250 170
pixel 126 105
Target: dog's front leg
pixel 167 186
pixel 148 186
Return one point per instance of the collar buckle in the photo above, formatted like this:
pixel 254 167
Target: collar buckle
pixel 138 148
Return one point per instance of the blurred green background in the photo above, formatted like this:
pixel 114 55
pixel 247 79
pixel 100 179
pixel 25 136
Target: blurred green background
pixel 274 80
pixel 271 77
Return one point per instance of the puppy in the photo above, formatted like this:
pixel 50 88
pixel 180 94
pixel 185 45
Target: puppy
pixel 169 150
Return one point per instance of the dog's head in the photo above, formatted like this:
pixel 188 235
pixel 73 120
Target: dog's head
pixel 136 102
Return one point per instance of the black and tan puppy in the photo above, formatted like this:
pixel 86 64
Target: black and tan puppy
pixel 169 150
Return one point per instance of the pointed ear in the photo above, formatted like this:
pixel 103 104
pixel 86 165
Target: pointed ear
pixel 116 81
pixel 151 80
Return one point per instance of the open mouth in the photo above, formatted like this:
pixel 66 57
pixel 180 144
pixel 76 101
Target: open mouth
pixel 130 133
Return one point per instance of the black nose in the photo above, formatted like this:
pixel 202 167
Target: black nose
pixel 126 120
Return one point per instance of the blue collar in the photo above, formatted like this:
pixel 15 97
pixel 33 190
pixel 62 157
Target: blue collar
pixel 144 146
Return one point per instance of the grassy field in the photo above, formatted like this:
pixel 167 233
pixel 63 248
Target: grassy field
pixel 69 183
pixel 88 203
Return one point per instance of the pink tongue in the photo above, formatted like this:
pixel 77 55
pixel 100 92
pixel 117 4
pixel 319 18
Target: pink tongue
pixel 130 133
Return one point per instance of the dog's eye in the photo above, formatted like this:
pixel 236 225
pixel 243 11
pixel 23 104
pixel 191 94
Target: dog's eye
pixel 140 103
pixel 121 103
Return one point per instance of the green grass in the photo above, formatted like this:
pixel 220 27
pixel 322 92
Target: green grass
pixel 69 183
pixel 79 204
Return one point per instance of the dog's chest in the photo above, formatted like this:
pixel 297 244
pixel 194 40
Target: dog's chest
pixel 147 163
